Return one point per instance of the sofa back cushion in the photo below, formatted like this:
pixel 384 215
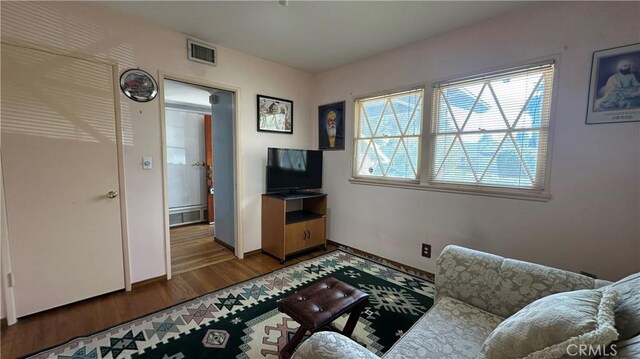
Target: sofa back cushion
pixel 498 285
pixel 521 283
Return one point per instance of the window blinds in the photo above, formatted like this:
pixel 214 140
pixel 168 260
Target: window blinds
pixel 492 130
pixel 388 135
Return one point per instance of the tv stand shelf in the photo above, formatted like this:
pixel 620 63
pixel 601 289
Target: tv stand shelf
pixel 286 232
pixel 301 216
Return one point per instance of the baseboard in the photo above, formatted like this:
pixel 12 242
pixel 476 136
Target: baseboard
pixel 376 257
pixel 142 283
pixel 220 242
pixel 253 253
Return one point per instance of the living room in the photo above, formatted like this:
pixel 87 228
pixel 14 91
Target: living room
pixel 587 218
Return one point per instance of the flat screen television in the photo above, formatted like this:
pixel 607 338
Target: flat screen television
pixel 289 170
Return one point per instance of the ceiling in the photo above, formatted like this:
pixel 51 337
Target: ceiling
pixel 314 36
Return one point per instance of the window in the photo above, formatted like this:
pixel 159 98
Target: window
pixel 492 130
pixel 486 134
pixel 388 136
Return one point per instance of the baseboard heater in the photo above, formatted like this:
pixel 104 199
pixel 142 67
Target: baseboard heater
pixel 186 215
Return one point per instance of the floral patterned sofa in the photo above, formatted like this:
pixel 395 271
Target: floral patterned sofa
pixel 475 292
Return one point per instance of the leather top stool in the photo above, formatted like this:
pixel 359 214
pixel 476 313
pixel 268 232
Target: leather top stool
pixel 319 304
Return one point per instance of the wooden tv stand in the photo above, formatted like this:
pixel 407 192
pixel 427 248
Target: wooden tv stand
pixel 288 232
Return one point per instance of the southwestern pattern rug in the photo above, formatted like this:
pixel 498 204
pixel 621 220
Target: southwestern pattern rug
pixel 242 321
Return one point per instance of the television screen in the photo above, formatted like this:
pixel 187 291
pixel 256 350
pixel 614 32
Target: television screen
pixel 291 169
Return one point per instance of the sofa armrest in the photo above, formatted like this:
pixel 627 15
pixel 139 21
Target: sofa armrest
pixel 330 345
pixel 500 285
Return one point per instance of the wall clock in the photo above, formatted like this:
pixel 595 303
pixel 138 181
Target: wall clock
pixel 138 85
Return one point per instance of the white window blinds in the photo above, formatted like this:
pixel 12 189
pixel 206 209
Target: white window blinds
pixel 492 130
pixel 388 135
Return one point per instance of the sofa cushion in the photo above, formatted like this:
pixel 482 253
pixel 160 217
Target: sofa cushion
pixel 629 348
pixel 450 329
pixel 628 306
pixel 548 327
pixel 330 345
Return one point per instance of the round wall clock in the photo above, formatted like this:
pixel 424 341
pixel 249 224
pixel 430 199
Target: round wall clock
pixel 138 85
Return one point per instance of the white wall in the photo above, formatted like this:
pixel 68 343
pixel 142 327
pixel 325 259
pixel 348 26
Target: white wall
pixel 593 221
pixel 94 30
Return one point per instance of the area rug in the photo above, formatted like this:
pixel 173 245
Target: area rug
pixel 242 321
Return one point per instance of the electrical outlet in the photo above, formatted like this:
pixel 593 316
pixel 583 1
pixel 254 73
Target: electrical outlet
pixel 426 250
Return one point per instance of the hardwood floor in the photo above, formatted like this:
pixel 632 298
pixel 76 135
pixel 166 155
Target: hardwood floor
pixel 46 329
pixel 193 247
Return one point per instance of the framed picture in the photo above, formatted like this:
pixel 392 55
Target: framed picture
pixel 275 114
pixel 614 91
pixel 138 85
pixel 331 126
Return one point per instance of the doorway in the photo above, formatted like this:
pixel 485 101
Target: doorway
pixel 192 113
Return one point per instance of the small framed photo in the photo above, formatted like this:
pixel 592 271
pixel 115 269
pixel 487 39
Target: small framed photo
pixel 614 90
pixel 275 114
pixel 331 126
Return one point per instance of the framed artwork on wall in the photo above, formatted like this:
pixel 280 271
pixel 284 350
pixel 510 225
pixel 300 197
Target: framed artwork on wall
pixel 275 114
pixel 331 126
pixel 614 90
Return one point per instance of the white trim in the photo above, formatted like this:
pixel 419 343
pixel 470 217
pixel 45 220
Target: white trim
pixel 124 223
pixel 239 239
pixel 8 297
pixel 165 186
pixel 459 189
pixel 239 247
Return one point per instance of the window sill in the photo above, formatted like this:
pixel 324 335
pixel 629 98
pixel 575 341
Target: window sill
pixel 488 192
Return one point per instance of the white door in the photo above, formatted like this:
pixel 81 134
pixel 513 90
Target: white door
pixel 59 161
pixel 186 159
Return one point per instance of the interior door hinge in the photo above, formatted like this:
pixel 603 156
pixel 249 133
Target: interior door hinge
pixel 11 281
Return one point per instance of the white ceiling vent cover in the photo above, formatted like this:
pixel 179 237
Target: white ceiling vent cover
pixel 202 52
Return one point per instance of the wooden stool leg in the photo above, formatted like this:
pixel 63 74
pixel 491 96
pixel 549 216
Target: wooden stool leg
pixel 285 353
pixel 353 318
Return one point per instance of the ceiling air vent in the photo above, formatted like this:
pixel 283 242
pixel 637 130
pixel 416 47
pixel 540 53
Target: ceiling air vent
pixel 201 52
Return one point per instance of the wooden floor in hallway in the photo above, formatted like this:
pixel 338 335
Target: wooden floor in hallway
pixel 193 247
pixel 52 327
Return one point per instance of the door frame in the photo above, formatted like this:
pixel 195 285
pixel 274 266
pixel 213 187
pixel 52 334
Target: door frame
pixel 239 239
pixel 124 230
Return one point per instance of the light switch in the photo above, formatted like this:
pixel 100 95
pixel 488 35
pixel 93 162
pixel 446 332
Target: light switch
pixel 147 163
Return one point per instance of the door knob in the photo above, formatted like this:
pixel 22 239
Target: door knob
pixel 112 194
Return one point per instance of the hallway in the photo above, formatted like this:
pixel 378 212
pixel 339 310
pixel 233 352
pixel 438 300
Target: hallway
pixel 193 247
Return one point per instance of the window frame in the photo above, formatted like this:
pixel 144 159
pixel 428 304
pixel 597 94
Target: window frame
pixel 355 177
pixel 426 145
